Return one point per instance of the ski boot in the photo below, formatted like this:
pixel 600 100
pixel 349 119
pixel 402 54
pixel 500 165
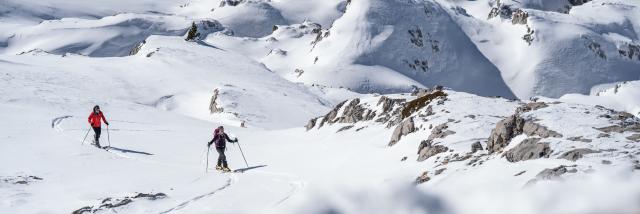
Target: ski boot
pixel 226 169
pixel 218 167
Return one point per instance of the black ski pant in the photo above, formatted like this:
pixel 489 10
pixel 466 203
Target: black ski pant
pixel 222 159
pixel 97 131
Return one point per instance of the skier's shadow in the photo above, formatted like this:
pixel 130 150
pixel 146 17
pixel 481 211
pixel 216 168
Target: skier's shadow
pixel 248 168
pixel 128 151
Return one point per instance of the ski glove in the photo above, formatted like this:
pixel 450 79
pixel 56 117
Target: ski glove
pixel 209 144
pixel 106 123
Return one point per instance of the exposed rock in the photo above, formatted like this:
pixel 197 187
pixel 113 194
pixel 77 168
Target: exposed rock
pixel 329 117
pixel 213 106
pixel 404 128
pixel 420 92
pixel 355 113
pixel 528 37
pixel 109 203
pixel 533 129
pixel 550 174
pixel 427 150
pixel 579 139
pixel 20 179
pixel 634 137
pixel 620 129
pixel 519 173
pixel 601 135
pixel 477 146
pixel 504 131
pixel 137 48
pixel 415 105
pixel 311 123
pixel 606 162
pixel 576 154
pixel 403 158
pixel 504 11
pixel 440 131
pixel 388 104
pixel 532 106
pixel 345 128
pixel 528 149
pixel 439 171
pixel 519 17
pixel 423 178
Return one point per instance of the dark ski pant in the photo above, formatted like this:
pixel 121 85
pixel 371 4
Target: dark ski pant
pixel 222 159
pixel 97 131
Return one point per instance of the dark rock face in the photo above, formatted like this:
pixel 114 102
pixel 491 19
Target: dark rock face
pixel 407 126
pixel 528 149
pixel 427 150
pixel 477 146
pixel 110 203
pixel 576 154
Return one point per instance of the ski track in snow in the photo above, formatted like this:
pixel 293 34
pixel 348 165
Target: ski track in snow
pixel 230 181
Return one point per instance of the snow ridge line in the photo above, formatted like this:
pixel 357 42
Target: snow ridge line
pixel 230 181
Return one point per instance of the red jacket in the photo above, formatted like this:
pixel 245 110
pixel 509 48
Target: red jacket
pixel 94 119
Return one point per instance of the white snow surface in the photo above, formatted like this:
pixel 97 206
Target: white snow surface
pixel 276 64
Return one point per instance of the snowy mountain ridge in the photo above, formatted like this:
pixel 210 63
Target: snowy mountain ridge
pixel 538 111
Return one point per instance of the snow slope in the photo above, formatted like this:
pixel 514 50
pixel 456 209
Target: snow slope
pixel 567 52
pixel 265 68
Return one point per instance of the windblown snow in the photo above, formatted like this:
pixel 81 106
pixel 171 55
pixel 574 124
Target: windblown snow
pixel 339 106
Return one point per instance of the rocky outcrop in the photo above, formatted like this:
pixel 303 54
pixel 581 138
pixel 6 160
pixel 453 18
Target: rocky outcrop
pixel 213 105
pixel 576 154
pixel 477 146
pixel 111 203
pixel 550 174
pixel 634 138
pixel 528 149
pixel 407 126
pixel 440 131
pixel 427 150
pixel 311 123
pixel 580 139
pixel 137 48
pixel 512 126
pixel 423 178
pixel 519 16
pixel 532 106
pixel 20 179
pixel 504 131
pixel 353 111
pixel 417 104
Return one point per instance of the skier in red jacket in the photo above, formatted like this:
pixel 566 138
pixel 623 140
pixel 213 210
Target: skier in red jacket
pixel 94 120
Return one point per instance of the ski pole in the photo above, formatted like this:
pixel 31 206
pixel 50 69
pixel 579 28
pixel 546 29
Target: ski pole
pixel 108 136
pixel 85 136
pixel 207 167
pixel 245 160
